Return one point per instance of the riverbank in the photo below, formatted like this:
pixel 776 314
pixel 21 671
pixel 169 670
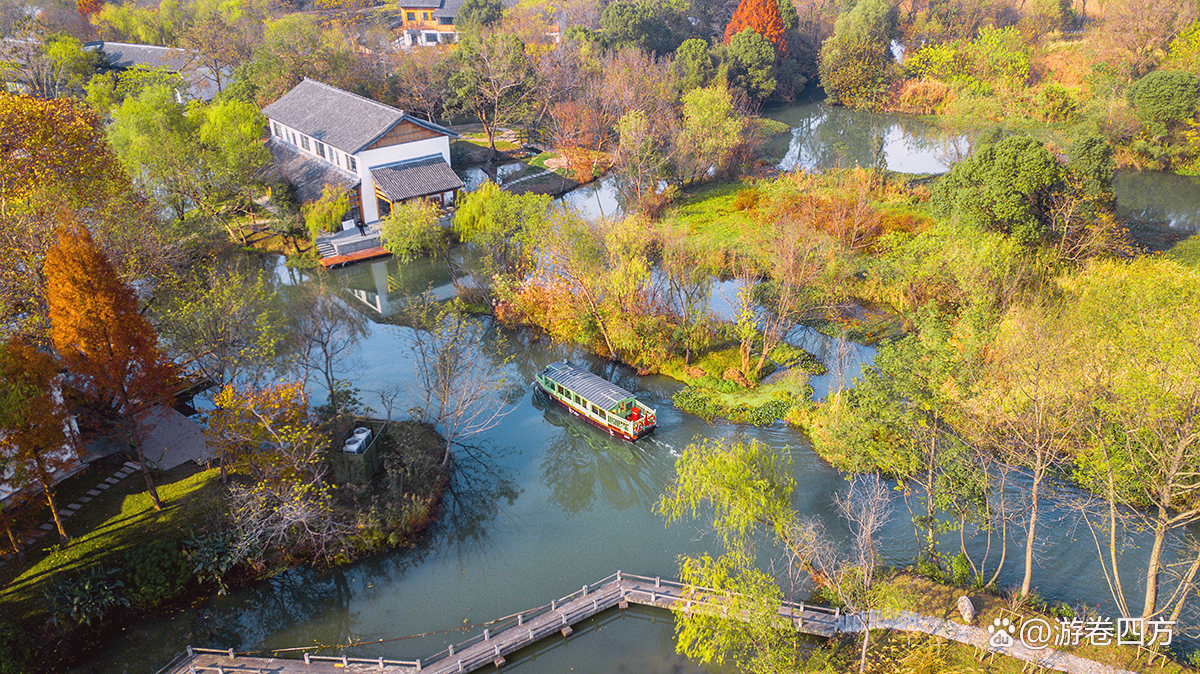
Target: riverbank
pixel 127 561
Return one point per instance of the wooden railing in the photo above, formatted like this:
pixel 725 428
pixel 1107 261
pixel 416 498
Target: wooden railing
pixel 514 632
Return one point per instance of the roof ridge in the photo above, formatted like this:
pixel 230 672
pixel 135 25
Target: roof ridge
pixel 372 101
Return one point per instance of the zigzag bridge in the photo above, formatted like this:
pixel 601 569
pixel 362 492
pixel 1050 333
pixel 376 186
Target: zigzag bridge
pixel 512 633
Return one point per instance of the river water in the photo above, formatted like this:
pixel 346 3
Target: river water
pixel 543 504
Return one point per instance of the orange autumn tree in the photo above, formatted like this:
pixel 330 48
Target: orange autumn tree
pixel 115 368
pixel 33 418
pixel 88 8
pixel 762 17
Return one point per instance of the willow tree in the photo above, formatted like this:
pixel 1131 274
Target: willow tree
pixel 115 369
pixel 1140 369
pixel 745 490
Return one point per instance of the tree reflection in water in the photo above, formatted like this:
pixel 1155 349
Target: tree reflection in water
pixel 582 458
pixel 473 500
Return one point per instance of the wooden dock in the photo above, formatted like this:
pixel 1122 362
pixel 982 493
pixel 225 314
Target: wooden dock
pixel 356 256
pixel 515 632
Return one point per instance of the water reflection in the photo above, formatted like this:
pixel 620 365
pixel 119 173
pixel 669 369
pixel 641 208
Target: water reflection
pixel 1157 198
pixel 825 136
pixel 597 199
pixel 580 459
pixel 501 174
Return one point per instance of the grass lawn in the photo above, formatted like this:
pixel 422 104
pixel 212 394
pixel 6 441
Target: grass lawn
pixel 480 139
pixel 119 519
pixel 1187 252
pixel 541 159
pixel 709 218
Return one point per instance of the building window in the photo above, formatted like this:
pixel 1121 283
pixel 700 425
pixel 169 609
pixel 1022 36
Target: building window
pixel 445 21
pixel 304 142
pixel 412 16
pixel 275 130
pixel 352 164
pixel 291 137
pixel 320 149
pixel 431 38
pixel 425 15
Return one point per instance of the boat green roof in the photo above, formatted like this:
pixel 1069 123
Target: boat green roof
pixel 594 389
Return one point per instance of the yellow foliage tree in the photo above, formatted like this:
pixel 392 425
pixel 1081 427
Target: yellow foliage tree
pixel 33 440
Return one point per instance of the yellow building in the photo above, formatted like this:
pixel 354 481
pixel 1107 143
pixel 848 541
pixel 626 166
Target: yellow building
pixel 424 23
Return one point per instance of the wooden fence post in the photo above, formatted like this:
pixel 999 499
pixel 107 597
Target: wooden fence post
pixel 231 655
pixel 190 652
pixel 307 660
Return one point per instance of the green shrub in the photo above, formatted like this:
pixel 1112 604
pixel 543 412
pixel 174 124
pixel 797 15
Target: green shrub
pixel 210 556
pixel 17 649
pixel 745 199
pixel 155 572
pixel 86 597
pixel 960 569
pixel 1055 103
pixel 1165 98
pixel 697 403
pixel 929 568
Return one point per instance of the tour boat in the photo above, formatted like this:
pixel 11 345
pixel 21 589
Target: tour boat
pixel 599 401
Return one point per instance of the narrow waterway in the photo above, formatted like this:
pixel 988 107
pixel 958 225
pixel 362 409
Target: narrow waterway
pixel 539 506
pixel 542 503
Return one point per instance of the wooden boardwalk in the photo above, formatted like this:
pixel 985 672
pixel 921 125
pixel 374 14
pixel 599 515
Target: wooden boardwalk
pixel 515 632
pixel 510 634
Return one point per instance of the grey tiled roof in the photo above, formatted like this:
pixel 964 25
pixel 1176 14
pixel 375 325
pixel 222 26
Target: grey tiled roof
pixel 124 55
pixel 202 83
pixel 449 8
pixel 308 175
pixel 339 118
pixel 416 178
pixel 592 388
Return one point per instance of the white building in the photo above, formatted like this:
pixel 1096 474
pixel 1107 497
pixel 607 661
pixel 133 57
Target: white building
pixel 321 135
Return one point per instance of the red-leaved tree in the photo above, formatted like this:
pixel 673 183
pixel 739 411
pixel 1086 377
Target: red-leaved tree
pixel 762 17
pixel 110 349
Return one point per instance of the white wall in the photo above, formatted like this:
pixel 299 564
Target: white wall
pixel 390 155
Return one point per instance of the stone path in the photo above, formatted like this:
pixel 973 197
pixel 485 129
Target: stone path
pixel 531 176
pixel 1046 658
pixel 72 508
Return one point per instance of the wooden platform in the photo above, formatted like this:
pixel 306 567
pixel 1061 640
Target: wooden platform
pixel 517 631
pixel 356 256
